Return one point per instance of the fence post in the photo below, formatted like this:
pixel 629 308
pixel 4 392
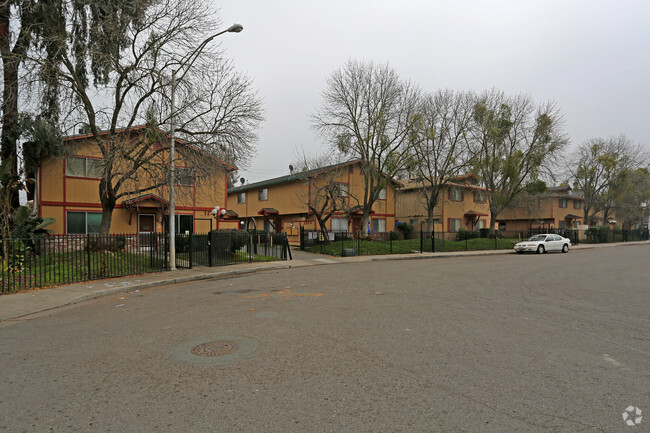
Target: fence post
pixel 189 241
pixel 210 248
pixel 421 239
pixel 88 255
pixel 390 237
pixel 495 239
pixel 433 239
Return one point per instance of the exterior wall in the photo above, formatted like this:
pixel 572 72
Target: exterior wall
pixel 545 213
pixel 411 208
pixel 60 193
pixel 290 199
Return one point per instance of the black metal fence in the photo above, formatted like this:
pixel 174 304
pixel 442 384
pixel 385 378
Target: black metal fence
pixel 57 259
pixel 405 242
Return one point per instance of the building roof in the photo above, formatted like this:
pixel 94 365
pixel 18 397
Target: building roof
pixel 227 166
pixel 135 202
pixel 412 184
pixel 296 176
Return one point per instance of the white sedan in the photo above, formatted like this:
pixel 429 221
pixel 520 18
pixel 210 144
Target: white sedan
pixel 543 243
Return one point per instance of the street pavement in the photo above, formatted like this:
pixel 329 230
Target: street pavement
pixel 491 343
pixel 16 305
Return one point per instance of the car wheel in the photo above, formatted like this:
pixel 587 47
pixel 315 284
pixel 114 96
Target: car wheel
pixel 520 252
pixel 565 248
pixel 540 249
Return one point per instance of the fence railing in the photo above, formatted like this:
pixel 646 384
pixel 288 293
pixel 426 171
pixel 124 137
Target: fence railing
pixel 401 242
pixel 64 259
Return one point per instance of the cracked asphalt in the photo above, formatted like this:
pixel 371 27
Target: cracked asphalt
pixel 533 343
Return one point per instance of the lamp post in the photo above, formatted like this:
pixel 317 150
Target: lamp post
pixel 235 28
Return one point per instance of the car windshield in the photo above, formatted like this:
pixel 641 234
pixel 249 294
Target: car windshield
pixel 537 238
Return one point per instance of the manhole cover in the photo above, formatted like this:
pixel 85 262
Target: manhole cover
pixel 215 348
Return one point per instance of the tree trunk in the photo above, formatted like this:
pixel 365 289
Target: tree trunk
pixel 364 222
pixel 108 200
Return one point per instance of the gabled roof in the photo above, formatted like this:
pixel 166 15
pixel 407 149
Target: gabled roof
pixel 134 202
pixel 411 184
pixel 227 166
pixel 268 211
pixel 297 176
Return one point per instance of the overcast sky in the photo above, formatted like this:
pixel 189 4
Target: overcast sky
pixel 591 57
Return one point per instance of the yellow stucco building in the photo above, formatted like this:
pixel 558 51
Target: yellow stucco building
pixel 68 191
pixel 281 204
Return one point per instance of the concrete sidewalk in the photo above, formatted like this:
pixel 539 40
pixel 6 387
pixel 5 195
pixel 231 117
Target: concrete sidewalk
pixel 22 304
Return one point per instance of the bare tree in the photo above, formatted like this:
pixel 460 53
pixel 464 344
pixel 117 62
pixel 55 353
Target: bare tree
pixel 368 112
pixel 599 164
pixel 217 110
pixel 512 142
pixel 438 143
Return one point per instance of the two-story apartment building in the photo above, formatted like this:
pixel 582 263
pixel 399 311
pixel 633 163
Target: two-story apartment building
pixel 282 204
pixel 558 208
pixel 461 204
pixel 68 191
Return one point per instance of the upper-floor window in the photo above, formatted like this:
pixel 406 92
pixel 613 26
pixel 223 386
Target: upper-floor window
pixel 263 194
pixel 577 204
pixel 341 189
pixel 562 202
pixel 84 167
pixel 241 197
pixel 455 194
pixel 182 176
pixel 382 194
pixel 479 196
pixel 83 223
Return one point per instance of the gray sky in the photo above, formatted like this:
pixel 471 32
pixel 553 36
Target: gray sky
pixel 590 57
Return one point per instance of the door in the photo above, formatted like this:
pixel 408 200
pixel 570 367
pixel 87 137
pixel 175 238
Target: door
pixel 146 228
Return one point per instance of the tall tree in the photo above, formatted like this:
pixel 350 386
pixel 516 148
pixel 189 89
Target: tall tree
pixel 631 196
pixel 438 143
pixel 368 113
pixel 131 51
pixel 512 142
pixel 600 163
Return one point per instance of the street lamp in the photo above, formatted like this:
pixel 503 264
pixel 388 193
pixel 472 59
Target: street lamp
pixel 187 64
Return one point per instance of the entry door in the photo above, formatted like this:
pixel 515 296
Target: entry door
pixel 146 226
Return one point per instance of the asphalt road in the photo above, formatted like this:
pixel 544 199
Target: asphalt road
pixel 508 343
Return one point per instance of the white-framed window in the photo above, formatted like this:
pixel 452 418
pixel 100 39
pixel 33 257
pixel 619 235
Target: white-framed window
pixel 382 194
pixel 480 224
pixel 339 224
pixel 454 224
pixel 182 176
pixel 263 194
pixel 241 197
pixel 341 189
pixel 455 194
pixel 379 225
pixel 83 223
pixel 84 167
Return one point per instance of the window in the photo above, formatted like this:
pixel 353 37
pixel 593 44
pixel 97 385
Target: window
pixel 263 194
pixel 562 224
pixel 339 224
pixel 84 167
pixel 577 204
pixel 382 194
pixel 341 189
pixel 379 225
pixel 268 227
pixel 184 224
pixel 479 196
pixel 83 223
pixel 502 226
pixel 241 197
pixel 480 224
pixel 182 176
pixel 562 202
pixel 455 194
pixel 454 224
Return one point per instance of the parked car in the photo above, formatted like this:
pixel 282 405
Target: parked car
pixel 543 243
